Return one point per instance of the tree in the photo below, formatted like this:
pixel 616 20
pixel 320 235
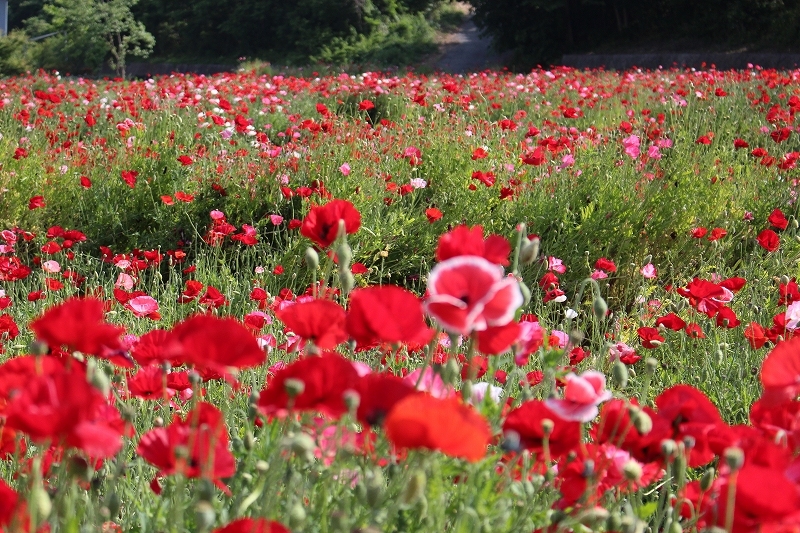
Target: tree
pixel 88 32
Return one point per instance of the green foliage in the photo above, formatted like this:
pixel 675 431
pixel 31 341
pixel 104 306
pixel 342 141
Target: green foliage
pixel 543 30
pixel 15 52
pixel 88 32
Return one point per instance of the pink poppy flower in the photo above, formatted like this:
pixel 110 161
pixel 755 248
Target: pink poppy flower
pixel 470 293
pixel 142 306
pixel 631 145
pixel 582 395
pixel 649 271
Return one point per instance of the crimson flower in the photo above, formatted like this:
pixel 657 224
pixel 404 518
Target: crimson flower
pixel 64 408
pixel 324 381
pixel 385 314
pixel 321 224
pixel 780 372
pixel 671 321
pixel 526 423
pixel 469 241
pixel 195 446
pixel 378 393
pixel 769 240
pixel 253 525
pixel 319 321
pixel 650 337
pixel 778 220
pixel 468 293
pixel 78 324
pixel 214 345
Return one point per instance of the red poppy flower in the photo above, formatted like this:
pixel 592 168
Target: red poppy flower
pixel 605 264
pixel 755 335
pixel 195 446
pixel 129 177
pixel 64 408
pixel 325 380
pixel 526 423
pixel 498 339
pixel 769 240
pixel 78 324
pixel 717 234
pixel 215 345
pixel 699 233
pixel 694 331
pixel 671 321
pixel 433 214
pixel 780 371
pixel 469 293
pixel 689 413
pixel 445 425
pixel 726 318
pixel 386 314
pixel 469 241
pixel 253 525
pixel 36 202
pixel 378 394
pixel 321 224
pixel 650 337
pixel 319 321
pixel 778 220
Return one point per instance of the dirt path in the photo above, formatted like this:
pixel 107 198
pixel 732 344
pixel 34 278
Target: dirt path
pixel 466 51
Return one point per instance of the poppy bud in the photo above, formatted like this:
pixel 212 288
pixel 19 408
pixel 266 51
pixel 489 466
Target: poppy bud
pixel 529 250
pixel 614 522
pixel 112 504
pixel 97 377
pixel 619 373
pixel 294 387
pixel 707 479
pixel 351 400
pixel 675 526
pixel 249 440
pixel 632 470
pixel 599 308
pixel 734 458
pixel 40 504
pixel 300 444
pixel 346 281
pixel 594 517
pixel 262 466
pixel 297 516
pixel 668 448
pixel 414 490
pixel 784 279
pixel 450 371
pixel 795 223
pixel 312 259
pixel 38 347
pixel 345 255
pixel 650 365
pixel 511 441
pixel 547 427
pixel 204 515
pixel 630 524
pixel 375 484
pixel 641 420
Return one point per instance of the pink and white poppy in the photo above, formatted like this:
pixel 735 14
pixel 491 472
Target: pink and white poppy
pixel 582 395
pixel 470 293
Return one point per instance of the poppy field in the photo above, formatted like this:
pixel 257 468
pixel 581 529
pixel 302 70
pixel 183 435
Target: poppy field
pixel 382 302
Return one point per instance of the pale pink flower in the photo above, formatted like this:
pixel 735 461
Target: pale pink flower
pixel 556 265
pixel 124 281
pixel 276 220
pixel 431 382
pixel 598 274
pixel 216 214
pixel 793 316
pixel 345 169
pixel 620 350
pixel 51 267
pixel 582 395
pixel 649 271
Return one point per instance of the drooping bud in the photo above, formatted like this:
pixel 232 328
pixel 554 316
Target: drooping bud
pixel 346 281
pixel 529 250
pixel 734 458
pixel 294 387
pixel 204 515
pixel 669 448
pixel 599 308
pixel 641 420
pixel 312 259
pixel 297 516
pixel 707 479
pixel 414 490
pixel 619 373
pixel 632 470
